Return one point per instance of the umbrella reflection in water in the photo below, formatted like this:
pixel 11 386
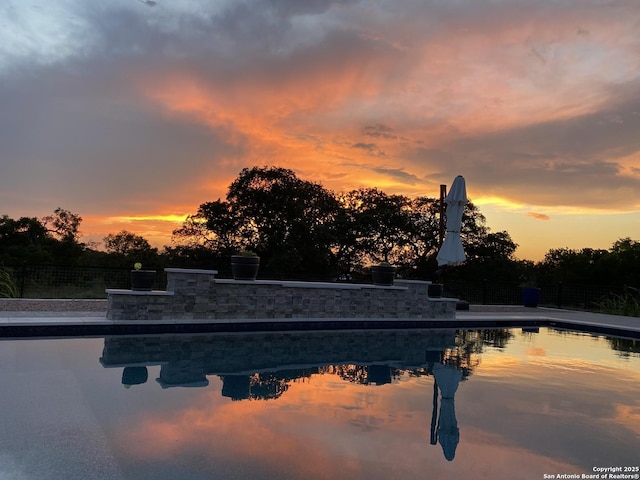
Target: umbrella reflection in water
pixel 447 433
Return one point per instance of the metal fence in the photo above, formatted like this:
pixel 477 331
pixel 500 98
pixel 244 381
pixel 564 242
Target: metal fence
pixel 61 281
pixel 574 296
pixel 65 281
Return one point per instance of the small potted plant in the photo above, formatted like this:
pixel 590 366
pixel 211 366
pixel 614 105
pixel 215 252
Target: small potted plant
pixel 142 280
pixel 245 266
pixel 383 274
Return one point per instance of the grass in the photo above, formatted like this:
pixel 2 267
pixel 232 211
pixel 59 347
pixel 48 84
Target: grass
pixel 627 303
pixel 81 289
pixel 8 285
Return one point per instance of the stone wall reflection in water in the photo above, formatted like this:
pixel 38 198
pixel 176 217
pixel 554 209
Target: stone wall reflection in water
pixel 265 366
pixel 262 365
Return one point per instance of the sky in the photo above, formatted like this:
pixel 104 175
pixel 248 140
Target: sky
pixel 132 113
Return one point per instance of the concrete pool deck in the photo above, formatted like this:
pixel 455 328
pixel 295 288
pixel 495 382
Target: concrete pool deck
pixel 27 321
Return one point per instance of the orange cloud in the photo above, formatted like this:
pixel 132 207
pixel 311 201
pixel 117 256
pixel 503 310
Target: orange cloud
pixel 325 428
pixel 628 416
pixel 274 125
pixel 538 216
pixel 273 433
pixel 420 100
pixel 536 352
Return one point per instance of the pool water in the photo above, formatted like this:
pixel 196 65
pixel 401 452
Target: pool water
pixel 481 404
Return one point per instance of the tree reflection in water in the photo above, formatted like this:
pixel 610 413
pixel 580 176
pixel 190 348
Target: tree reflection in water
pixel 264 366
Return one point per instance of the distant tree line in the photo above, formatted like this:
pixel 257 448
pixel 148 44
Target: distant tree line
pixel 55 240
pixel 300 229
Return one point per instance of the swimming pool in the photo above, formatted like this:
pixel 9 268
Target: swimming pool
pixel 437 403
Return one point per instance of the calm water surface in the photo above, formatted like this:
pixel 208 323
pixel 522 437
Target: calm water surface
pixel 488 404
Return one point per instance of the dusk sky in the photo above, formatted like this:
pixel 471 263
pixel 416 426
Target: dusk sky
pixel 132 113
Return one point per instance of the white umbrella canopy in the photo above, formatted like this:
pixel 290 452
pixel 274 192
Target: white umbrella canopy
pixel 451 252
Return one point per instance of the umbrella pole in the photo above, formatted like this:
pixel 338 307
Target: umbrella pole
pixel 434 415
pixel 443 194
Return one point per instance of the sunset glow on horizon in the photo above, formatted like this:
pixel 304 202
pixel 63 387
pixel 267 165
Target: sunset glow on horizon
pixel 132 114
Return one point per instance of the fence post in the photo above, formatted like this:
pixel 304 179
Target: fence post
pixel 23 274
pixel 559 294
pixel 484 291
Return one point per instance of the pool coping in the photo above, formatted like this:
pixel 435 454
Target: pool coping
pixel 92 323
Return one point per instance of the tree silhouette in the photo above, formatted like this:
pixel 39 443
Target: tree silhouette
pixel 63 225
pixel 126 248
pixel 287 221
pixel 299 227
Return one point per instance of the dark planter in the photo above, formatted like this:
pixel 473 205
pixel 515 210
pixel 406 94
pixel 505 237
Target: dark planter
pixel 434 290
pixel 462 305
pixel 383 274
pixel 236 387
pixel 530 296
pixel 143 280
pixel 134 375
pixel 379 374
pixel 244 268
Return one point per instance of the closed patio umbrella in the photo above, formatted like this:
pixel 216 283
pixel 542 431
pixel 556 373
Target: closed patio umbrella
pixel 451 251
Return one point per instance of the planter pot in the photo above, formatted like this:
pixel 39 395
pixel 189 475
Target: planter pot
pixel 134 375
pixel 236 387
pixel 434 290
pixel 383 274
pixel 244 268
pixel 530 296
pixel 143 280
pixel 379 374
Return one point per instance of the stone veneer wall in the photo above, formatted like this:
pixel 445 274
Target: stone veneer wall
pixel 198 295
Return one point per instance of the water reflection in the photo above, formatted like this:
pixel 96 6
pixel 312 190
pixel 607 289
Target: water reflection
pixel 525 384
pixel 316 405
pixel 447 379
pixel 359 357
pixel 262 366
pixel 625 347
